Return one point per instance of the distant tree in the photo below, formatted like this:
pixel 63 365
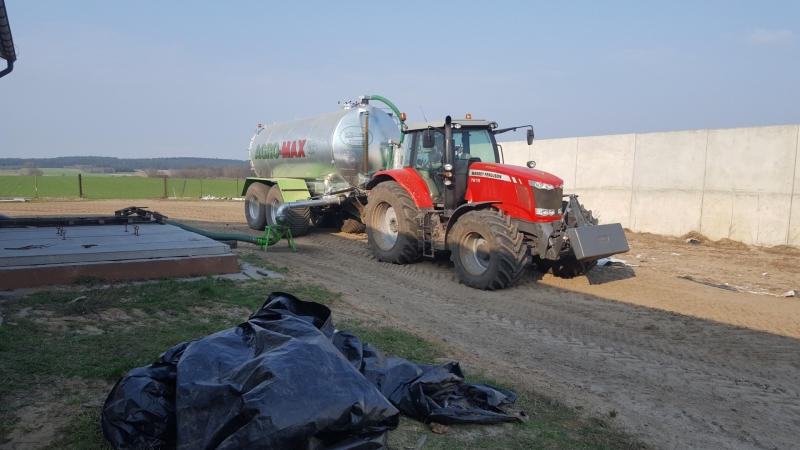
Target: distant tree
pixel 34 171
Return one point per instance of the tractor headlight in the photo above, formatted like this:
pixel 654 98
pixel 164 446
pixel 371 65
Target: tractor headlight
pixel 544 211
pixel 540 185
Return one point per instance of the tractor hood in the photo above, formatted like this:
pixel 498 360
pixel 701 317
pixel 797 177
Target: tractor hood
pixel 521 173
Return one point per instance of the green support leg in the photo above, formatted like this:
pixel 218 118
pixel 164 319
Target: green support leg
pixel 273 234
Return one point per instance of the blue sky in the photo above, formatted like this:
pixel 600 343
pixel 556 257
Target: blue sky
pixel 192 78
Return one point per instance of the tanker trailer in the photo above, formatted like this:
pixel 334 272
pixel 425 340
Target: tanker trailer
pixel 320 165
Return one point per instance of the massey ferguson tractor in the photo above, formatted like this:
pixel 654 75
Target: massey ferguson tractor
pixel 423 191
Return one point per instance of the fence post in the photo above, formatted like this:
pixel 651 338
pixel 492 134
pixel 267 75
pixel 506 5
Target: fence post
pixel 80 186
pixel 165 186
pixel 201 188
pixel 237 188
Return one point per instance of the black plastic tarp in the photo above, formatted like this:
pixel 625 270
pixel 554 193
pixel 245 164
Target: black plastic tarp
pixel 285 379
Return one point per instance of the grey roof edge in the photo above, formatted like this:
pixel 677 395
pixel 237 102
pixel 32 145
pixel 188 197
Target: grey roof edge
pixel 440 124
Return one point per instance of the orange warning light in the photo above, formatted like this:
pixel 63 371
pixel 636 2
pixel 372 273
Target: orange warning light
pixel 469 116
pixel 402 117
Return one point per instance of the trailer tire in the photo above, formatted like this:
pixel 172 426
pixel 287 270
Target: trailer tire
pixel 298 219
pixel 487 250
pixel 255 206
pixel 391 224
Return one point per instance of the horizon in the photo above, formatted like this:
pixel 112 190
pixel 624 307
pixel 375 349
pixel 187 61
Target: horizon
pixel 150 79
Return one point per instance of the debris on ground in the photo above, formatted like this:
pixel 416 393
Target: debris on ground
pixel 438 428
pixel 725 286
pixel 694 241
pixel 609 262
pixel 287 379
pixel 791 293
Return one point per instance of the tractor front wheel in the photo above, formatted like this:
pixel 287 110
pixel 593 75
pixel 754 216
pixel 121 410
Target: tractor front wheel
pixel 487 250
pixel 392 230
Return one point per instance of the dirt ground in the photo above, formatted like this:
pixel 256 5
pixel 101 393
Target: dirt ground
pixel 683 364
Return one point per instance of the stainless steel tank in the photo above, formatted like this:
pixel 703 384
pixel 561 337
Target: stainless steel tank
pixel 329 144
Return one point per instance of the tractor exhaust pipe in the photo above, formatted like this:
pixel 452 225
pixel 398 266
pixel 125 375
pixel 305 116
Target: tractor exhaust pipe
pixel 280 213
pixel 450 201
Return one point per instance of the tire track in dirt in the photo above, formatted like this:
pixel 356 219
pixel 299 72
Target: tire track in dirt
pixel 686 383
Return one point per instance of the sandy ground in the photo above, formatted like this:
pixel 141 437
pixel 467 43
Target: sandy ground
pixel 684 365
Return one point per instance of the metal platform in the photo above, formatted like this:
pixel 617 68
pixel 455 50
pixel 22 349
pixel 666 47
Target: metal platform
pixel 59 255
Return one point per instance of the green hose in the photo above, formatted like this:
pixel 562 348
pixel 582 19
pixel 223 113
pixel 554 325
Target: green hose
pixel 394 108
pixel 271 236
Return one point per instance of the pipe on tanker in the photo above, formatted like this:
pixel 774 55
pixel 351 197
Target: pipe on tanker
pixel 393 108
pixel 280 213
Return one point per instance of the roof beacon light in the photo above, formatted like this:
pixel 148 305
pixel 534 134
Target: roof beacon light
pixel 402 117
pixel 469 116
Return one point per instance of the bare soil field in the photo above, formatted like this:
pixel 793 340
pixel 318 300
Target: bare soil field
pixel 683 364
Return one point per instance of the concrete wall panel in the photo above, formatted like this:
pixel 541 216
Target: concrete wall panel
pixel 666 211
pixel 609 205
pixel 741 183
pixel 773 219
pixel 673 160
pixel 605 161
pixel 516 153
pixel 717 211
pixel 557 156
pixel 751 159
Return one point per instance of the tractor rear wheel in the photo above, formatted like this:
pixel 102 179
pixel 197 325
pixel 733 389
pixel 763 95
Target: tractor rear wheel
pixel 298 219
pixel 487 250
pixel 255 206
pixel 392 230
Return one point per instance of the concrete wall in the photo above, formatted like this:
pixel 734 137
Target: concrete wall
pixel 738 183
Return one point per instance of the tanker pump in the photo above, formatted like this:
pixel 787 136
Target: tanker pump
pixel 313 170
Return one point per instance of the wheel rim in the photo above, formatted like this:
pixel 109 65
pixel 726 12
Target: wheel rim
pixel 386 226
pixel 475 253
pixel 253 207
pixel 275 204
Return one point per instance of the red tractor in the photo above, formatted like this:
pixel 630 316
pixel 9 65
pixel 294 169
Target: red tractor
pixel 454 195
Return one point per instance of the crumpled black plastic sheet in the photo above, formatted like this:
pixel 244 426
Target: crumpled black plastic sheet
pixel 285 379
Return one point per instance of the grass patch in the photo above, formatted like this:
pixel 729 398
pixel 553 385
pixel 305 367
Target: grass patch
pixel 262 260
pixel 393 342
pixel 49 337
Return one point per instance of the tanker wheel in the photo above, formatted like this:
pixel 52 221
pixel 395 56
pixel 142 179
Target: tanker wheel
pixel 255 206
pixel 391 222
pixel 298 219
pixel 487 250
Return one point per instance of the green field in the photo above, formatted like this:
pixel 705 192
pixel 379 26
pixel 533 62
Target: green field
pixel 107 187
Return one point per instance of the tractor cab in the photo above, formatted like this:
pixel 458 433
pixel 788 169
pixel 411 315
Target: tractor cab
pixel 474 142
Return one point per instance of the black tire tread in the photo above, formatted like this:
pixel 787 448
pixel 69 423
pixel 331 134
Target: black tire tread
pixel 511 251
pixel 261 192
pixel 407 211
pixel 298 220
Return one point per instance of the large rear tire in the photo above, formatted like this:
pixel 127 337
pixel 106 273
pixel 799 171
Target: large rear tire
pixel 298 219
pixel 392 230
pixel 487 250
pixel 255 206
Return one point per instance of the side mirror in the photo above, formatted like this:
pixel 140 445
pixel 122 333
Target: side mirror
pixel 428 140
pixel 531 164
pixel 530 136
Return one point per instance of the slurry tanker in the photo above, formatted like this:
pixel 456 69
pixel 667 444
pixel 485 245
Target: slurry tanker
pixel 420 191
